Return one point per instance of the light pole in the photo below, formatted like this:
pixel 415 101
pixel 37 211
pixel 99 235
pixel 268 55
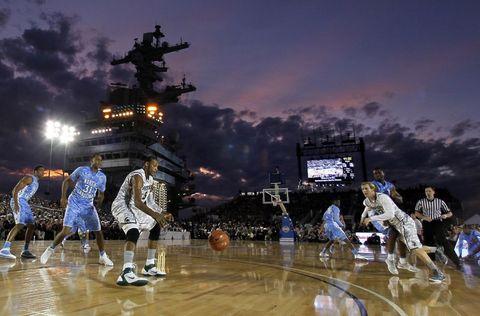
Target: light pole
pixel 67 136
pixel 52 131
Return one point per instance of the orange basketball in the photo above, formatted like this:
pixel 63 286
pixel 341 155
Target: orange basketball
pixel 218 240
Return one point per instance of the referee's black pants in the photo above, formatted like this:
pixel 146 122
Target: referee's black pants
pixel 435 234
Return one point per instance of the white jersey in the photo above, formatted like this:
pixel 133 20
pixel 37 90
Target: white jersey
pixel 125 194
pixel 385 210
pixel 123 207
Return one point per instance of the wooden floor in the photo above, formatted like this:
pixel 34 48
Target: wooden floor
pixel 249 278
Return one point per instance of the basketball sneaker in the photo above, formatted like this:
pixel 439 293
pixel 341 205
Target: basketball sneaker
pixel 407 266
pixel 391 266
pixel 5 253
pixel 128 277
pixel 151 270
pixel 437 277
pixel 46 255
pixel 105 260
pixel 26 254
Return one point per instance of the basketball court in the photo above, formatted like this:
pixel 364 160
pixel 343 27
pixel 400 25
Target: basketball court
pixel 248 278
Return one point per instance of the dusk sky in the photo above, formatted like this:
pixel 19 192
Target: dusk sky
pixel 406 74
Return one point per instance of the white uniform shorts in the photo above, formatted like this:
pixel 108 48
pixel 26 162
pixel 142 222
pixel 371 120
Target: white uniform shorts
pixel 129 217
pixel 408 233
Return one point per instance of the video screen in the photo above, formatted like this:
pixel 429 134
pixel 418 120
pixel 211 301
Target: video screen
pixel 331 170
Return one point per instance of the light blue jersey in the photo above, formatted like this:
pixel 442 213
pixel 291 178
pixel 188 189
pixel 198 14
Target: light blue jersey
pixel 332 224
pixel 80 202
pixel 385 187
pixel 25 215
pixel 87 182
pixel 28 191
pixel 472 241
pixel 332 214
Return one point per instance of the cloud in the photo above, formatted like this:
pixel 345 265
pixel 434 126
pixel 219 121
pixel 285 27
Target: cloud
pixel 244 152
pixel 371 108
pixel 462 127
pixel 423 124
pixel 4 16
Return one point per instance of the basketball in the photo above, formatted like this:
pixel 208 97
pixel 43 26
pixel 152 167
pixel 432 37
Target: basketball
pixel 218 240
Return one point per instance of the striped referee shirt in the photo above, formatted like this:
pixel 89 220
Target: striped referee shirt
pixel 432 208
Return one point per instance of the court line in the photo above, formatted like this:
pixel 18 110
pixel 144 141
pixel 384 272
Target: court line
pixel 397 308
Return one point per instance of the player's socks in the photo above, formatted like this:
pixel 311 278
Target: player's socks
pixel 128 259
pixel 150 256
pixel 6 245
pixel 25 247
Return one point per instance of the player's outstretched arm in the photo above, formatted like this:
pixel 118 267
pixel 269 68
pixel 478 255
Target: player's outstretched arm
pixel 137 198
pixel 68 182
pixel 20 185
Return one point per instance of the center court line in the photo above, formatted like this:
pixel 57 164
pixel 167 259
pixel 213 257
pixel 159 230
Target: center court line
pixel 397 308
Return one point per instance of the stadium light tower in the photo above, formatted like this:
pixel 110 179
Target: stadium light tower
pixel 67 136
pixel 52 131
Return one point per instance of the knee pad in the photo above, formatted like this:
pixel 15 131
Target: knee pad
pixel 132 235
pixel 154 232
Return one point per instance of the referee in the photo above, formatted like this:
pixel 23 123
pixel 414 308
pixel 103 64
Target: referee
pixel 434 212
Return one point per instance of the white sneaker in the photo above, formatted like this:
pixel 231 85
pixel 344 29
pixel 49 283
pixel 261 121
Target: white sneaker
pixel 324 254
pixel 151 270
pixel 128 277
pixel 105 260
pixel 46 255
pixel 391 266
pixel 407 266
pixel 86 248
pixel 5 253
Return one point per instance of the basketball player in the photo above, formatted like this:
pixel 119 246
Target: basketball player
pixel 87 181
pixel 334 230
pixel 472 237
pixel 22 213
pixel 135 210
pixel 388 188
pixel 388 211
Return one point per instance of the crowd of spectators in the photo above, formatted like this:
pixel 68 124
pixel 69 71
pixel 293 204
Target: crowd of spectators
pixel 243 218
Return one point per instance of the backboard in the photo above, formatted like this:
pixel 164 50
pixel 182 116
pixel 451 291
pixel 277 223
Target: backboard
pixel 270 194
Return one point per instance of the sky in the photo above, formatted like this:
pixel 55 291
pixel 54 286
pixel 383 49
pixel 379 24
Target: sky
pixel 404 73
